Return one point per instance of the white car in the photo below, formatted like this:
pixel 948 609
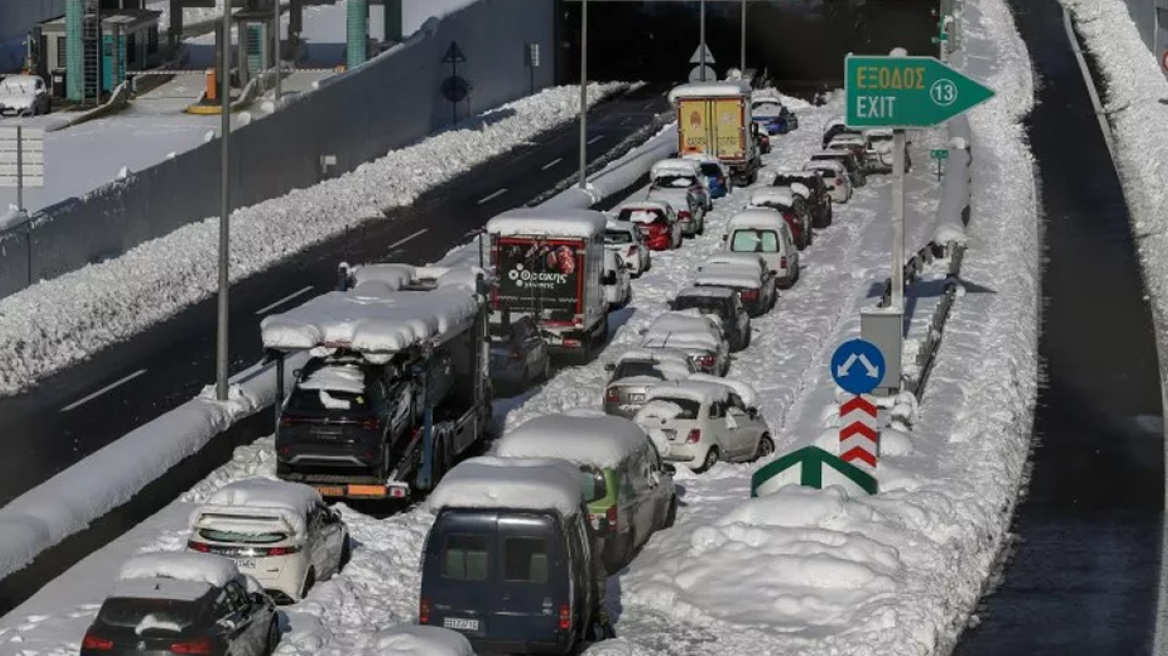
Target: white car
pixel 624 238
pixel 704 422
pixel 618 285
pixel 879 143
pixel 23 95
pixel 674 169
pixel 279 532
pixel 835 176
pixel 699 335
pixel 764 232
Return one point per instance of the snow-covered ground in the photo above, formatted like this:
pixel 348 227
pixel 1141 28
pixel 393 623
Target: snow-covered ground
pixel 59 322
pixel 1135 94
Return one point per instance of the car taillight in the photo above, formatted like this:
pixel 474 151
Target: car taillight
pixel 93 642
pixel 695 436
pixel 516 354
pixel 706 361
pixel 198 546
pixel 423 611
pixel 200 646
pixel 611 516
pixel 277 551
pixel 369 424
pixel 612 395
pixel 683 215
pixel 749 294
pixel 565 617
pixel 285 420
pixel 571 343
pixel 633 251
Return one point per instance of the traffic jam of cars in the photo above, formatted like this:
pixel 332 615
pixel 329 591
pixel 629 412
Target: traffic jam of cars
pixel 393 398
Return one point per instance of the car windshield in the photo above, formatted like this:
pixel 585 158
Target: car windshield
pixel 827 173
pixel 234 537
pixel 640 215
pixel 689 408
pixel 767 108
pixel 703 304
pixel 635 368
pixel 673 181
pixel 755 241
pixel 132 613
pixel 617 237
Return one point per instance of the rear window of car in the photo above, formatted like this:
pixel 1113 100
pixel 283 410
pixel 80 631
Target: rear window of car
pixel 704 304
pixel 635 368
pixel 465 558
pixel 312 400
pixel 594 485
pixel 127 612
pixel 673 181
pixel 525 560
pixel 641 216
pixel 689 407
pixel 234 537
pixel 755 241
pixel 617 237
pixel 711 169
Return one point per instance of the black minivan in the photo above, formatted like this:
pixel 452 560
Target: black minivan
pixel 516 581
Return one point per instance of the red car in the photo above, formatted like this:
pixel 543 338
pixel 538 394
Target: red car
pixel 657 221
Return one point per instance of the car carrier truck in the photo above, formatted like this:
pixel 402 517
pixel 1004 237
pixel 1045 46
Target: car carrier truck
pixel 396 386
pixel 715 118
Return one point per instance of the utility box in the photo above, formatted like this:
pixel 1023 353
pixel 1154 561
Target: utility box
pixel 884 327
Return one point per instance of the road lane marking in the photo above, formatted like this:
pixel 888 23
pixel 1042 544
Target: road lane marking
pixel 595 139
pixel 492 196
pixel 299 292
pixel 103 390
pixel 551 163
pixel 648 104
pixel 409 238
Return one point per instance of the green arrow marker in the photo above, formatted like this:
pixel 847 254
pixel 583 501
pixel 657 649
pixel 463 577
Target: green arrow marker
pixel 907 92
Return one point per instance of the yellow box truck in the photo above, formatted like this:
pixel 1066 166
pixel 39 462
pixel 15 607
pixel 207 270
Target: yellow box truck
pixel 714 118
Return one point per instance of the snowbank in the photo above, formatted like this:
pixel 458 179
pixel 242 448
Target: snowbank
pixel 414 640
pixel 57 323
pixel 1134 91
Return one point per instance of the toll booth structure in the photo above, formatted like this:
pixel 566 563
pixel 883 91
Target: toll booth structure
pixel 128 41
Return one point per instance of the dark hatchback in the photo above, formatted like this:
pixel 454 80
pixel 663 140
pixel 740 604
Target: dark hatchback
pixel 516 582
pixel 221 621
pixel 723 302
pixel 820 204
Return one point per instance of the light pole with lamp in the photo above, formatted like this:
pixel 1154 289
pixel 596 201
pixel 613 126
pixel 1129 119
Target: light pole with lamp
pixel 742 51
pixel 702 40
pixel 583 94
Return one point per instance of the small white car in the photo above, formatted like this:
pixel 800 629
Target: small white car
pixel 835 176
pixel 624 238
pixel 618 286
pixel 704 422
pixel 879 143
pixel 279 532
pixel 764 232
pixel 24 95
pixel 699 335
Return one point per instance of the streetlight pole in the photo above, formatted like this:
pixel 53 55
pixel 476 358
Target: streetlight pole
pixel 584 94
pixel 224 206
pixel 742 52
pixel 276 34
pixel 702 41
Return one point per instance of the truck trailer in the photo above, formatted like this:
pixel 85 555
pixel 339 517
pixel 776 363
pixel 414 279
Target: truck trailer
pixel 715 118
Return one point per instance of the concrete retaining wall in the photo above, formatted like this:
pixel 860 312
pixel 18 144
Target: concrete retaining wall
pixel 387 103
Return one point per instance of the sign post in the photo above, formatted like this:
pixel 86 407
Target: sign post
pixel 454 57
pixel 22 160
pixel 939 154
pixel 858 367
pixel 703 58
pixel 902 93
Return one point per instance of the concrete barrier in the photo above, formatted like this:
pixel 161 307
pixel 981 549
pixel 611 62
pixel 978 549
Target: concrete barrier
pixel 386 103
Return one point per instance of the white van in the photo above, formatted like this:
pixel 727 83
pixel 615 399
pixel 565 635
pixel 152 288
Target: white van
pixel 765 231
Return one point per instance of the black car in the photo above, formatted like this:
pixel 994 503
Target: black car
pixel 837 129
pixel 156 616
pixel 513 581
pixel 819 203
pixel 723 302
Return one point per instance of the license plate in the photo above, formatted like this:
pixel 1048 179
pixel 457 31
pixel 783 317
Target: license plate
pixel 331 490
pixel 636 398
pixel 245 563
pixel 461 624
pixel 670 435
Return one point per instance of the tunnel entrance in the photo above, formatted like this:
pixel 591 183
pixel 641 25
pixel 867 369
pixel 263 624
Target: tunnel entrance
pixel 800 44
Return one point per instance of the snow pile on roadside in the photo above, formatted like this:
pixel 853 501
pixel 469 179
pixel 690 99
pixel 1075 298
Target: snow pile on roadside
pixel 56 323
pixel 1135 94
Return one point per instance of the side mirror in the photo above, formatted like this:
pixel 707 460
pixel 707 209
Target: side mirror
pixel 610 366
pixel 669 469
pixel 752 412
pixel 609 278
pixel 724 237
pixel 258 598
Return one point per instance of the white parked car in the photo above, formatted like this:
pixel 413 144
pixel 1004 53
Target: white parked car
pixel 23 95
pixel 764 231
pixel 279 532
pixel 624 238
pixel 679 183
pixel 879 143
pixel 618 285
pixel 699 335
pixel 635 371
pixel 835 176
pixel 746 273
pixel 704 422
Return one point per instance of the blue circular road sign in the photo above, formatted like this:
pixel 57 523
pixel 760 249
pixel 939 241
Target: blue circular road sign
pixel 857 366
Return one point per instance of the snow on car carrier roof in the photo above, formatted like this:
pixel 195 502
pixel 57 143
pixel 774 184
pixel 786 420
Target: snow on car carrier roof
pixel 547 223
pixel 597 441
pixel 377 325
pixel 724 89
pixel 378 279
pixel 514 483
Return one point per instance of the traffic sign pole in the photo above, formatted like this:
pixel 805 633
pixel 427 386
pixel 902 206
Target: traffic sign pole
pixel 898 147
pixel 859 436
pixel 702 38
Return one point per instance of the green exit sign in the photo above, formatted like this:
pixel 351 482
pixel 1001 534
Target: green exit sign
pixel 907 92
pixel 939 153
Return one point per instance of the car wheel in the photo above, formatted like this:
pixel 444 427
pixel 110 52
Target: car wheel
pixel 766 447
pixel 712 457
pixel 309 581
pixel 749 337
pixel 273 639
pixel 671 514
pixel 547 369
pixel 346 552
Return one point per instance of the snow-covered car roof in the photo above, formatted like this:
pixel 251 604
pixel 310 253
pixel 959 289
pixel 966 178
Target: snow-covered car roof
pixel 674 166
pixel 832 165
pixel 621 226
pixel 414 639
pixel 657 355
pixel 757 218
pixel 830 155
pixel 703 158
pixel 693 390
pixel 645 204
pixel 728 275
pixel 799 173
pixel 602 442
pixel 376 325
pixel 848 138
pixel 513 483
pixel 22 84
pixel 878 133
pixel 706 292
pixel 685 330
pixel 259 498
pixel 772 195
pixel 744 390
pixel 723 89
pixel 182 575
pixel 544 223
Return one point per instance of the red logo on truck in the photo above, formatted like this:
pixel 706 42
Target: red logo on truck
pixel 695 119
